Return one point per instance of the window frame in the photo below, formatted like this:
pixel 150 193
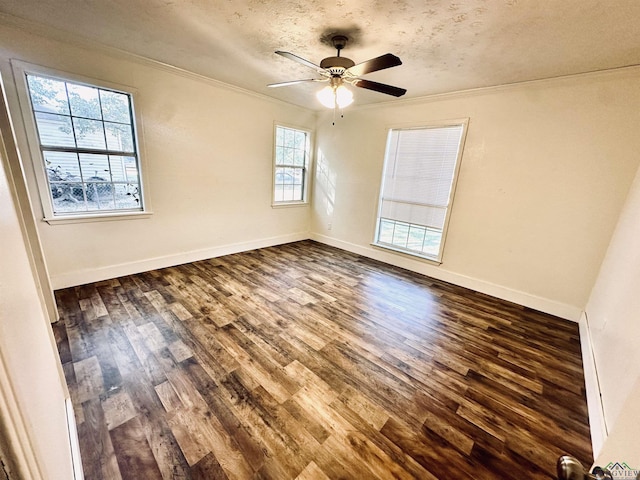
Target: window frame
pixel 434 259
pixel 306 169
pixel 20 71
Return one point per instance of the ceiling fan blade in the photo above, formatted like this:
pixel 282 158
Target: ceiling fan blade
pixel 293 82
pixel 387 60
pixel 298 59
pixel 379 87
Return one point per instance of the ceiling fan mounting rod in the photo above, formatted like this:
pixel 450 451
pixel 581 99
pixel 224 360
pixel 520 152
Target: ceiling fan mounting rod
pixel 339 42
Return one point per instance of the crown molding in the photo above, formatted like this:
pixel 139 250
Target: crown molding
pixel 78 41
pixel 627 69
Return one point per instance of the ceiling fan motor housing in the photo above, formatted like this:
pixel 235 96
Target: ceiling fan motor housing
pixel 336 65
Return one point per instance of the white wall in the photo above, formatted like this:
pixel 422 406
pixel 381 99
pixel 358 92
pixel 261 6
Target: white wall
pixel 32 396
pixel 622 442
pixel 613 312
pixel 208 157
pixel 545 171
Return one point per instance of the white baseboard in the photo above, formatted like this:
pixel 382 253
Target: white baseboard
pixel 597 421
pixel 80 277
pixel 545 305
pixel 78 472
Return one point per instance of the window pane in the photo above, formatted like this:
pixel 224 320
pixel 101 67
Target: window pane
pixel 292 175
pixel 62 166
pixel 126 196
pixel 119 137
pixel 279 176
pixel 48 95
pixel 117 169
pixel 115 107
pixel 385 234
pixel 94 167
pixel 89 133
pixel 416 238
pixel 299 158
pixel 279 136
pixel 288 156
pixel 54 130
pixel 278 193
pixel 432 242
pixel 287 193
pixel 289 138
pixel 68 197
pixel 131 170
pixel 296 192
pixel 300 140
pixel 99 195
pixel 84 101
pixel 400 234
pixel 123 169
pixel 298 174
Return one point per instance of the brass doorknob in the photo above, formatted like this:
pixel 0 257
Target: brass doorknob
pixel 569 468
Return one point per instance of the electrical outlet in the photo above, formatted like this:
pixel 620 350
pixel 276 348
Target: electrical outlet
pixel 329 226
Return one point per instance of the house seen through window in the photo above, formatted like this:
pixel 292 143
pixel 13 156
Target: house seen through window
pixel 417 189
pixel 291 161
pixel 87 140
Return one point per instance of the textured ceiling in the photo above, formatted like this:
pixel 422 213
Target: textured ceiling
pixel 444 45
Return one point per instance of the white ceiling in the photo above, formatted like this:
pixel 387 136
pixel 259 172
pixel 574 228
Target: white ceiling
pixel 444 45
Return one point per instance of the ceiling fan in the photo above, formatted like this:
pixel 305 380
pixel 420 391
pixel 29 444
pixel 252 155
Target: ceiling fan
pixel 340 70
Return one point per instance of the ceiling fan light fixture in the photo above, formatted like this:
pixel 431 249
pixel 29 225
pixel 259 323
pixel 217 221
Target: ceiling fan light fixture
pixel 344 96
pixel 327 97
pixel 333 96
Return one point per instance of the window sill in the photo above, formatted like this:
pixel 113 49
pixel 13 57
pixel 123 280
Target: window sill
pixel 103 217
pixel 415 256
pixel 289 204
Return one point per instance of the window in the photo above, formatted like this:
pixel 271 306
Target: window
pixel 291 161
pixel 88 155
pixel 420 171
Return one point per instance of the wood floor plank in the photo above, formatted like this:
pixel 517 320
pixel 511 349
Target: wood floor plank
pixel 134 455
pixel 305 361
pixel 118 409
pixel 225 414
pixel 89 383
pixel 312 472
pixel 188 436
pixel 393 451
pixel 208 469
pixel 99 460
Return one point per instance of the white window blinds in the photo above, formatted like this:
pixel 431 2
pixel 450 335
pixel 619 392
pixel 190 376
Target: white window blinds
pixel 419 173
pixel 420 166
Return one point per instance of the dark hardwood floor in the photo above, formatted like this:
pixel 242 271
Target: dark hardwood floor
pixel 304 361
